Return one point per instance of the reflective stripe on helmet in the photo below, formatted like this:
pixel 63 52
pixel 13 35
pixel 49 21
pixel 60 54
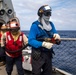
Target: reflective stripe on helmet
pixel 47 8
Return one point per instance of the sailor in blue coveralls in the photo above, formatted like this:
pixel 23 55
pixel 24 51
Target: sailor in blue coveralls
pixel 42 50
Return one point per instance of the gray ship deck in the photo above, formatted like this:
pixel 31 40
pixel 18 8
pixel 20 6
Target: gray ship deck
pixel 3 72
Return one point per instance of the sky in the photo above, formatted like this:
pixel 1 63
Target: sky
pixel 63 13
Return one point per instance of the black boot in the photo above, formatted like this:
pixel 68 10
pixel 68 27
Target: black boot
pixel 8 73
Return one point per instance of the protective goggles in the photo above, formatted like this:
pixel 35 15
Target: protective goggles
pixel 14 25
pixel 47 13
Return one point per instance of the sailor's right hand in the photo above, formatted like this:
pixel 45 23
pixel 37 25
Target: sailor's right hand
pixel 47 45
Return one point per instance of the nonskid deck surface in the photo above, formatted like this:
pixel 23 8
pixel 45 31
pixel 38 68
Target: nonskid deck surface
pixel 3 71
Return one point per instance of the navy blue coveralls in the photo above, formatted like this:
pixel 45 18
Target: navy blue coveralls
pixel 41 57
pixel 17 61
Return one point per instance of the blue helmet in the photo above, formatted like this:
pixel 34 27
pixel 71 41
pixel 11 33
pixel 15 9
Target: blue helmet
pixel 43 9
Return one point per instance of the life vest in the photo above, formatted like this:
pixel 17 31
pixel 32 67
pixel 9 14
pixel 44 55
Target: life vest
pixel 0 37
pixel 14 45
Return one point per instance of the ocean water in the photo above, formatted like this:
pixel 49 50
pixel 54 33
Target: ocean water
pixel 67 34
pixel 65 53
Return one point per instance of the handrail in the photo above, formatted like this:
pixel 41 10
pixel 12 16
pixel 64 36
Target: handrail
pixel 63 72
pixel 71 39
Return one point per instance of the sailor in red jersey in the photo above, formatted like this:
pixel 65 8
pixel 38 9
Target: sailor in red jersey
pixel 0 37
pixel 15 40
pixel 0 45
pixel 3 29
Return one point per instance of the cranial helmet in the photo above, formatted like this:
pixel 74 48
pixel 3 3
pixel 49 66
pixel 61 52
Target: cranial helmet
pixel 43 9
pixel 14 19
pixel 3 26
